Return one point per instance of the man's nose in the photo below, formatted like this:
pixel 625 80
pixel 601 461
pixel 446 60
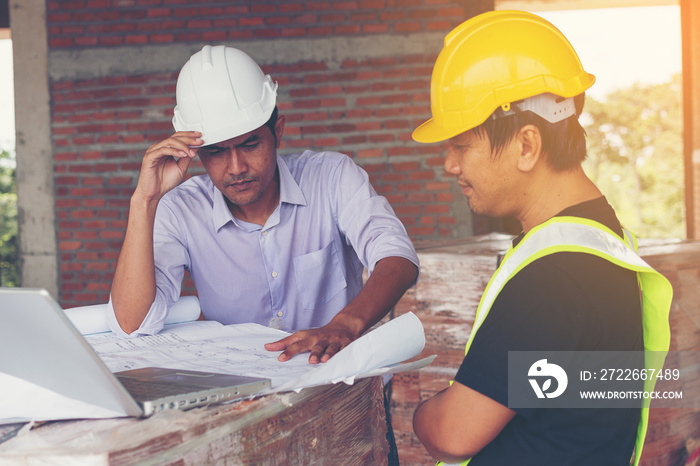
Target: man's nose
pixel 236 163
pixel 451 163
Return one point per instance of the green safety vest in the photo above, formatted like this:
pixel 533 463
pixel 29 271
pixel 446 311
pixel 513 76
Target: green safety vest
pixel 575 234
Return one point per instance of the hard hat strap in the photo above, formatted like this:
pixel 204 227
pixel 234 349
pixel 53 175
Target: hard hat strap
pixel 552 108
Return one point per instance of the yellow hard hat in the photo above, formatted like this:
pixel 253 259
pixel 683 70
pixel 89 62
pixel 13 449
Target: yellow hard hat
pixel 493 60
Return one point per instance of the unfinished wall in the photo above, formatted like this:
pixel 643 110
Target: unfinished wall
pixel 354 77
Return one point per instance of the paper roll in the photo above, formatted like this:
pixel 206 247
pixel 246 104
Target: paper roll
pixel 93 319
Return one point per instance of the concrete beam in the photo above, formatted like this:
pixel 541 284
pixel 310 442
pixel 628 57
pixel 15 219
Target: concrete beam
pixel 92 63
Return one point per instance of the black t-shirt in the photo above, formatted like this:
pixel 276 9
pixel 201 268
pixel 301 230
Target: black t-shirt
pixel 561 302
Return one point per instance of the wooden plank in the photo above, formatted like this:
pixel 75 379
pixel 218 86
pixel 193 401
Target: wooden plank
pixel 336 424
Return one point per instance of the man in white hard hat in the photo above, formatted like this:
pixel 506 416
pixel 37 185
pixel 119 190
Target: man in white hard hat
pixel 506 92
pixel 279 241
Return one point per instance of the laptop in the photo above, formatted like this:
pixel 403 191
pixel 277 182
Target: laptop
pixel 39 344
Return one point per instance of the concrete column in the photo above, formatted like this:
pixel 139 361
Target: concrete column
pixel 690 28
pixel 35 181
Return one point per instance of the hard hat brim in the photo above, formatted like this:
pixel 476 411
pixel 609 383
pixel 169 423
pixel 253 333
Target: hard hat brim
pixel 430 132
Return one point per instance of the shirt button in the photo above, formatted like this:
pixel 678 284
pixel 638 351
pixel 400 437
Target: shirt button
pixel 274 274
pixel 264 233
pixel 280 313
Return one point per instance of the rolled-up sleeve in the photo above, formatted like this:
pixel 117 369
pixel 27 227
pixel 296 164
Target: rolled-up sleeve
pixel 367 219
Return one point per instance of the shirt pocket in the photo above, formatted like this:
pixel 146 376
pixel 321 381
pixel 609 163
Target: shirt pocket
pixel 319 276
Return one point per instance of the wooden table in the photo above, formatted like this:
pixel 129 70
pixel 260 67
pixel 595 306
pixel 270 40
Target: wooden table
pixel 335 424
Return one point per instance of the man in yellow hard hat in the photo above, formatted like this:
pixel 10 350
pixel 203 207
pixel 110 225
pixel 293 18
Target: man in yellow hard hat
pixel 506 92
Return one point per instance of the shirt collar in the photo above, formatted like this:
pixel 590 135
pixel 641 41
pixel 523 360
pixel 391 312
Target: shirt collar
pixel 290 193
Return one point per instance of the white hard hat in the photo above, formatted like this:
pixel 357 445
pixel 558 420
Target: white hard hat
pixel 222 93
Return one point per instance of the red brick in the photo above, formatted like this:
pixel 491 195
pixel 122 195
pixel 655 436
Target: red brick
pixel 451 12
pixel 437 186
pixel 100 245
pixel 333 103
pixel 369 126
pixel 97 224
pixel 374 167
pixel 293 32
pixel 326 142
pixel 120 180
pixel 370 153
pixel 68 225
pixel 438 25
pixel 158 12
pixel 447 220
pixel 137 39
pixel 421 231
pixel 66 203
pixel 422 175
pixel 290 7
pixel 161 38
pixel 58 17
pixel 347 29
pixel 396 151
pixel 272 20
pixel 407 27
pixel 111 40
pixel 318 6
pixel 214 35
pixel 85 235
pixel 112 234
pixel 211 11
pixel 409 187
pixel 396 199
pixel 405 166
pixel 420 197
pixel 65 42
pixel 321 31
pixel 375 28
pixel 345 5
pixel 69 245
pixel 407 209
pixel 437 209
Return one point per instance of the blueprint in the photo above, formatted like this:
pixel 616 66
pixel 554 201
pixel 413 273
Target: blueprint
pixel 239 349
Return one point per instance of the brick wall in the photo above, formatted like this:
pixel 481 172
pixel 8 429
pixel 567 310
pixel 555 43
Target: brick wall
pixel 86 23
pixel 365 107
pixel 101 128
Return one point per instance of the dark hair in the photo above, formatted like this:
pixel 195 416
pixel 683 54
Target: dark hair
pixel 272 122
pixel 563 143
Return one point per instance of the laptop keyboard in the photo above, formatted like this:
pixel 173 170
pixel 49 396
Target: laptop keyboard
pixel 144 389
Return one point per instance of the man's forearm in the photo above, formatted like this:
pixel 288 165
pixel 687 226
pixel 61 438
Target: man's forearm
pixel 134 285
pixel 391 277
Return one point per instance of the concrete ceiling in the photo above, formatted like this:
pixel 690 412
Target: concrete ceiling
pixel 556 5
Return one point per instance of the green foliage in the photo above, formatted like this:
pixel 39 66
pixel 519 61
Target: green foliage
pixel 9 272
pixel 635 156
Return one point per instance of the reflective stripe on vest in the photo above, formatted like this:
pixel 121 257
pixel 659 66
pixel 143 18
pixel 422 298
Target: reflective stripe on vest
pixel 575 234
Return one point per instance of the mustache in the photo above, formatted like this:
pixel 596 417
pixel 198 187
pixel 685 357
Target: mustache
pixel 240 179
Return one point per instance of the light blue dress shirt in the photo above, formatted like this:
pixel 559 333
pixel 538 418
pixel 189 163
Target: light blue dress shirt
pixel 298 270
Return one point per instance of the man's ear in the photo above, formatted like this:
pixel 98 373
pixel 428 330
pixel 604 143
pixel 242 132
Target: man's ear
pixel 279 129
pixel 530 143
